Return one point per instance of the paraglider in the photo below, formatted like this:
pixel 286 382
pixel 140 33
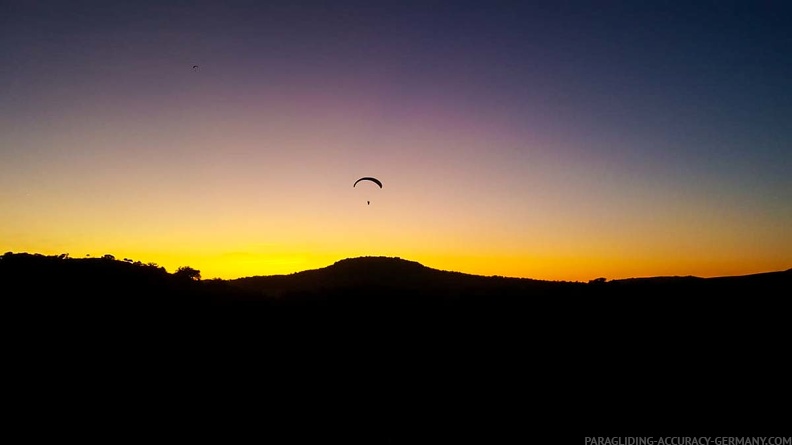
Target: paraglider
pixel 368 178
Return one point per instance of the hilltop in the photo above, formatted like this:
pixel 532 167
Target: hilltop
pixel 389 274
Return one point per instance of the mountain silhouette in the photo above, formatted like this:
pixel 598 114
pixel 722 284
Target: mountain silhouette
pixel 67 279
pixel 386 350
pixel 388 274
pixel 394 272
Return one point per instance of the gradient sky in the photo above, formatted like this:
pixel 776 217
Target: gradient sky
pixel 550 140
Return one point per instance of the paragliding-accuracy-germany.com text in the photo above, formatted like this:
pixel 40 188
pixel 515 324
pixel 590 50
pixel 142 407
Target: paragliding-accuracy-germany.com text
pixel 678 440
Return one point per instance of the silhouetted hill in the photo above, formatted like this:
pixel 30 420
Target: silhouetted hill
pixel 382 278
pixel 415 354
pixel 372 281
pixel 103 282
pixel 411 275
pixel 619 353
pixel 374 278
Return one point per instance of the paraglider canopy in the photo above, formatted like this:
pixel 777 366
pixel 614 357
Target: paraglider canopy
pixel 370 179
pixel 367 178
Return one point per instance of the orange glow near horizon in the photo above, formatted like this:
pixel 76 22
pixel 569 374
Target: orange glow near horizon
pixel 251 210
pixel 247 213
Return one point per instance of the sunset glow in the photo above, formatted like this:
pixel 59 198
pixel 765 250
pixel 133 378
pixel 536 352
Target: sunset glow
pixel 525 141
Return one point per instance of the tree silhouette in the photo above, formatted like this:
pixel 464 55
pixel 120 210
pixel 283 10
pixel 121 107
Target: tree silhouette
pixel 188 273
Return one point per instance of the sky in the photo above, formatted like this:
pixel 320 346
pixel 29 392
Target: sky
pixel 556 140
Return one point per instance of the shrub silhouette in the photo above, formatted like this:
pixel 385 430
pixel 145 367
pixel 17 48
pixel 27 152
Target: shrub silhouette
pixel 188 273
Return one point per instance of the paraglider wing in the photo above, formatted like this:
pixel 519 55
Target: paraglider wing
pixel 374 180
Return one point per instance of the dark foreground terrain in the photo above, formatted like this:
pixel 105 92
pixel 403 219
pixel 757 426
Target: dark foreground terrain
pixel 383 350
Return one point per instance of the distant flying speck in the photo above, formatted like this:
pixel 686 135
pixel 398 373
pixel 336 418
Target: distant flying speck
pixel 195 67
